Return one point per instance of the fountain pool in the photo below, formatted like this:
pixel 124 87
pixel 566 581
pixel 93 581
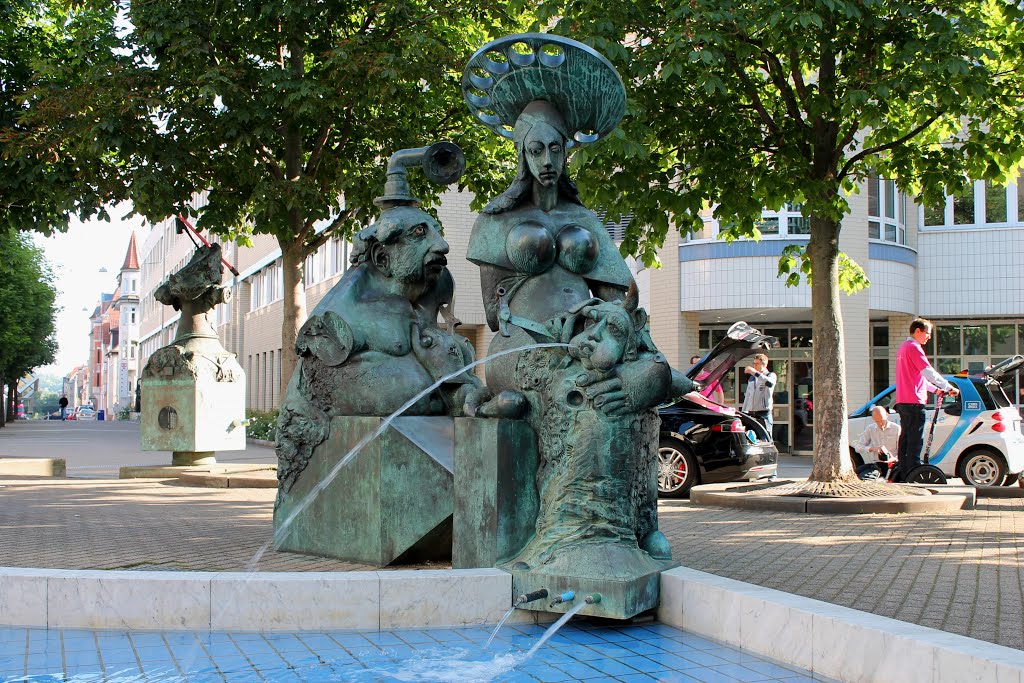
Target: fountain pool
pixel 578 652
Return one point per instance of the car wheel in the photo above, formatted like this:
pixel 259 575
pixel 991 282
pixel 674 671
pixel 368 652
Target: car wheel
pixel 982 467
pixel 677 469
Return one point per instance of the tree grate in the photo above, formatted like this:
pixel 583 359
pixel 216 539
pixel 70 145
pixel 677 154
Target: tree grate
pixel 838 489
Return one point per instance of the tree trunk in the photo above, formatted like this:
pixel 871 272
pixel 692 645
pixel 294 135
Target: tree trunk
pixel 831 438
pixel 3 419
pixel 292 261
pixel 12 401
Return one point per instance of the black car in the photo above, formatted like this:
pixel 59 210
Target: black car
pixel 704 442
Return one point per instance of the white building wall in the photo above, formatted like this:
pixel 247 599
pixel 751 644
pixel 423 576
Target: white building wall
pixel 740 282
pixel 969 273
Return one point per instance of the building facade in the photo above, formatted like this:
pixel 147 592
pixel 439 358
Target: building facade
pixel 957 264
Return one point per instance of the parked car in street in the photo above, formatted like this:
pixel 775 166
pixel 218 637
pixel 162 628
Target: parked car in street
pixel 978 433
pixel 704 442
pixel 84 413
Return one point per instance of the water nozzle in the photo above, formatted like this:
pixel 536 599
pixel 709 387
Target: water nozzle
pixel 530 597
pixel 567 596
pixel 593 599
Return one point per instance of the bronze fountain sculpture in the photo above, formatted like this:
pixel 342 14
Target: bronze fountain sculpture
pixel 549 271
pixel 549 470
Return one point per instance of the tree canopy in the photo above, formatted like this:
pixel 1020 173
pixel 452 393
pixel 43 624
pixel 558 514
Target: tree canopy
pixel 28 309
pixel 741 105
pixel 286 113
pixel 747 104
pixel 59 131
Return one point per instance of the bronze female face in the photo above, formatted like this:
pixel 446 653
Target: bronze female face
pixel 544 149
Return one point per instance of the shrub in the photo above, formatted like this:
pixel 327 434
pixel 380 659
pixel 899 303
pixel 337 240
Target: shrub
pixel 262 425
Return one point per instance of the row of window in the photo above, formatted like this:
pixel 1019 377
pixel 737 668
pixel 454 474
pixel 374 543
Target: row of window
pixel 267 286
pixel 887 215
pixel 981 203
pixel 263 375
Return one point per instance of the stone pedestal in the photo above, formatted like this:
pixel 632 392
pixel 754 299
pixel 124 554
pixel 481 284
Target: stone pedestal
pixel 391 502
pixel 495 491
pixel 193 416
pixel 627 579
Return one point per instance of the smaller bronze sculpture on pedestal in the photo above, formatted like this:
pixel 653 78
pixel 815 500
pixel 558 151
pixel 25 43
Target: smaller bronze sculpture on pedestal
pixel 194 402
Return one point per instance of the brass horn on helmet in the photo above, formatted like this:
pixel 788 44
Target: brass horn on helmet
pixel 442 162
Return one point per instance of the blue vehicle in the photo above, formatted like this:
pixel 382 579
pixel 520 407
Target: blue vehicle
pixel 978 433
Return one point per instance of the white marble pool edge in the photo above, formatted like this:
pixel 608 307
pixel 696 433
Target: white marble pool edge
pixel 830 641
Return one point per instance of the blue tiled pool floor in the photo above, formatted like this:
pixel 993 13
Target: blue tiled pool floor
pixel 631 654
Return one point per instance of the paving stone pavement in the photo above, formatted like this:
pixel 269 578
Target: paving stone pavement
pixel 960 572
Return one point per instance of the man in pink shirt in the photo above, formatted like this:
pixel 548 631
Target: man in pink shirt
pixel 915 377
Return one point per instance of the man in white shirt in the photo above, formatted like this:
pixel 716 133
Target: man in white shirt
pixel 760 385
pixel 880 439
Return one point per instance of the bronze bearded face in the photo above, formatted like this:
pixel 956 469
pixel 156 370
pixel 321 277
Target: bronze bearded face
pixel 409 248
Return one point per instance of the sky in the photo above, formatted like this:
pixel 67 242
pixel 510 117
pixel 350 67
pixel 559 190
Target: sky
pixel 76 258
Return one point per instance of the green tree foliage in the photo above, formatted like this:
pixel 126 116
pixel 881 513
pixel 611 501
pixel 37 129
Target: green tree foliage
pixel 28 309
pixel 286 113
pixel 59 127
pixel 747 104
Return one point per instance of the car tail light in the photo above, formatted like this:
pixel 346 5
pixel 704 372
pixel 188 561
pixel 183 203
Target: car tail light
pixel 997 416
pixel 998 427
pixel 734 426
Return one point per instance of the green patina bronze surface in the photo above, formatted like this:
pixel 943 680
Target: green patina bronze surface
pixel 392 503
pixel 550 272
pixel 370 346
pixel 194 402
pixel 495 490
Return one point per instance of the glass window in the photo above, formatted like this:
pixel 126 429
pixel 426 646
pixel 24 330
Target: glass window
pixel 963 207
pixel 716 336
pixel 903 211
pixel 769 226
pixel 948 366
pixel 799 225
pixel 880 335
pixel 975 340
pixel 890 232
pixel 890 199
pixel 995 203
pixel 780 333
pixel 1020 198
pixel 873 203
pixel 948 339
pixel 1002 340
pixel 879 375
pixel 704 339
pixel 874 230
pixel 935 214
pixel 801 337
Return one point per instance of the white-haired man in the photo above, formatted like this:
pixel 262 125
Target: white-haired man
pixel 879 439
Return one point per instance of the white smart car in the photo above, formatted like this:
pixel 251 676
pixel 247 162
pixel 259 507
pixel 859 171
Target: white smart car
pixel 978 433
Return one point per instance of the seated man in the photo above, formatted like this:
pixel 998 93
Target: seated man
pixel 879 439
